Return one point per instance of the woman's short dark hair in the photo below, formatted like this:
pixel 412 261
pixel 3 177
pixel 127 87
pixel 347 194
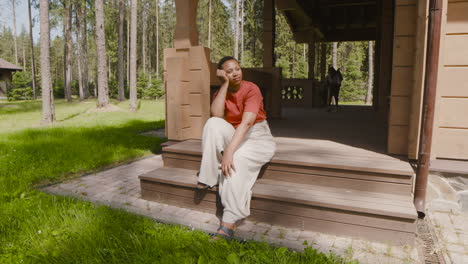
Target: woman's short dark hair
pixel 224 59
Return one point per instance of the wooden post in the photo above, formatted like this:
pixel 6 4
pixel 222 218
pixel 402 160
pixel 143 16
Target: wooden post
pixel 385 59
pixel 269 26
pixel 186 33
pixel 186 78
pixel 311 73
pixel 323 60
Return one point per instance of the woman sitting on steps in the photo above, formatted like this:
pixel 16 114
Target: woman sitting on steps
pixel 236 143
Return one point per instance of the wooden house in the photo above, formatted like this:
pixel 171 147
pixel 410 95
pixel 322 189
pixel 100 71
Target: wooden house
pixel 6 71
pixel 358 173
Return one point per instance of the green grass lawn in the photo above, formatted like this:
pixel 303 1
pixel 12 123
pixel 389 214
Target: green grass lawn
pixel 40 228
pixel 352 103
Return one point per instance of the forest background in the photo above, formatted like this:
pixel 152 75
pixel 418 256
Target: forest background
pixel 74 25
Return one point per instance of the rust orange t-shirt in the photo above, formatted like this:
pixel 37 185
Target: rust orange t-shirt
pixel 247 99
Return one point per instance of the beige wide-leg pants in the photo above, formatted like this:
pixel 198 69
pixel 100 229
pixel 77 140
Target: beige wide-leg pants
pixel 257 149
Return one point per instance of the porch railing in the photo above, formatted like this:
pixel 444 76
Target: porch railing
pixel 297 92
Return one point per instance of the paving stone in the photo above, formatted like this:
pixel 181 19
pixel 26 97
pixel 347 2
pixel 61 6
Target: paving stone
pixel 450 237
pixel 442 205
pixel 460 222
pixel 323 242
pixel 306 235
pixel 119 187
pixel 286 243
pixel 261 228
pixel 364 258
pixel 293 234
pixel 459 258
pixel 443 221
pixel 463 238
pixel 244 234
pixel 277 232
pixel 456 248
pixel 245 225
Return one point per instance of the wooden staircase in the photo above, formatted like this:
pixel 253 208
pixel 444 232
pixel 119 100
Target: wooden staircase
pixel 359 196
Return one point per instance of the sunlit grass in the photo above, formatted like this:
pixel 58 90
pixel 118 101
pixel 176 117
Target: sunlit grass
pixel 40 228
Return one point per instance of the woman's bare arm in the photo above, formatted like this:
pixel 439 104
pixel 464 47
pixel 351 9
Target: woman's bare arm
pixel 217 106
pixel 248 120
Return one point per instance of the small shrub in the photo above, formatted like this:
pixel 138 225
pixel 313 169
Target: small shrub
pixel 21 88
pixel 147 89
pixel 59 89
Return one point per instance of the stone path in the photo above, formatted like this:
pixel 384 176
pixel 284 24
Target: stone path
pixel 451 229
pixel 119 187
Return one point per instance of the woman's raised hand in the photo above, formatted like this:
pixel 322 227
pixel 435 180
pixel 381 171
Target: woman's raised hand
pixel 222 76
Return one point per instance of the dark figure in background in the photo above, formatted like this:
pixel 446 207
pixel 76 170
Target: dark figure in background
pixel 333 85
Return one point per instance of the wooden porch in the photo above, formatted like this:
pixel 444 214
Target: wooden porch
pixel 330 174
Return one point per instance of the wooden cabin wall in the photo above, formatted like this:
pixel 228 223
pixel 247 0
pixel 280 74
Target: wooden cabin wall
pixel 418 77
pixel 5 82
pixel 403 75
pixel 451 123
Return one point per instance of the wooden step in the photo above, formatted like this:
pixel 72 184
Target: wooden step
pixel 381 174
pixel 375 216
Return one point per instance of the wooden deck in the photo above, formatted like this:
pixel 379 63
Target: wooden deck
pixel 312 183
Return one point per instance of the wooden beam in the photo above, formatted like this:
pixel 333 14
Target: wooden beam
pixel 186 32
pixel 351 35
pixel 269 25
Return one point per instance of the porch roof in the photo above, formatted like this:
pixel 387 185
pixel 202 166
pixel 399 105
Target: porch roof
pixel 5 65
pixel 331 20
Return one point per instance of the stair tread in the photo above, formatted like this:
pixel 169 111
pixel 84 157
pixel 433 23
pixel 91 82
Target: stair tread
pixel 306 155
pixel 338 198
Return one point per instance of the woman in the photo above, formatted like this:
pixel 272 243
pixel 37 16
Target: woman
pixel 236 143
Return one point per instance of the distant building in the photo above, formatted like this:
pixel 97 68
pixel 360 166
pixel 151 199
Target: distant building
pixel 6 78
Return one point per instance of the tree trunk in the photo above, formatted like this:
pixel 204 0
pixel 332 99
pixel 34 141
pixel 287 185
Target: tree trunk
pixel 143 40
pixel 121 93
pixel 236 37
pixel 80 73
pixel 133 54
pixel 103 93
pixel 31 41
pixel 242 30
pixel 128 50
pixel 48 112
pixel 209 23
pixel 84 50
pixel 14 30
pixel 79 50
pixel 370 81
pixel 293 64
pixel 157 38
pixel 68 49
pixel 335 55
pixel 23 51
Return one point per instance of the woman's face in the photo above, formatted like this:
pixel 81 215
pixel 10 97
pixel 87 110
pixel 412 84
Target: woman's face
pixel 233 72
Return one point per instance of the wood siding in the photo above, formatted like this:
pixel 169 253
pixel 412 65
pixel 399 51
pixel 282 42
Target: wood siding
pixel 451 127
pixel 403 77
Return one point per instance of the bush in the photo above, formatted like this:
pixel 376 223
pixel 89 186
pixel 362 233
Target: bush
pixel 20 94
pixel 147 89
pixel 155 90
pixel 113 87
pixel 21 88
pixel 59 89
